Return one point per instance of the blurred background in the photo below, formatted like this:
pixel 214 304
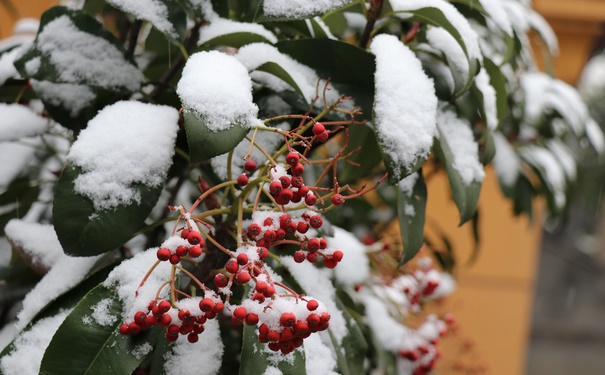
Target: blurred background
pixel 533 301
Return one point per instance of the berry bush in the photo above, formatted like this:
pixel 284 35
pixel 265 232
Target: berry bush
pixel 202 187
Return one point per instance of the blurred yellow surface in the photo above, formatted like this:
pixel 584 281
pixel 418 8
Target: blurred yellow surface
pixel 20 9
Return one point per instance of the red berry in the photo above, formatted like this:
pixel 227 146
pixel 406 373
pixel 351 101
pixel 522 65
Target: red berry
pixel 254 230
pixel 310 199
pixel 313 244
pixel 261 286
pixel 323 243
pixel 297 181
pixel 164 306
pixel 174 259
pixel 185 233
pixel 181 251
pixel 318 128
pixel 240 313
pixel 312 305
pixel 330 263
pixel 325 317
pixel 338 199
pixel 303 190
pixel 232 266
pixel 285 181
pixel 193 337
pixel 298 169
pixel 139 317
pixel 268 222
pixel 280 234
pixel 269 235
pixel 242 277
pixel 210 314
pixel 275 187
pixel 302 227
pixel 198 328
pixel 250 165
pixel 163 254
pixel 151 321
pixel 292 158
pixel 134 328
pixel 251 319
pixel 284 220
pixel 263 329
pixel 313 320
pixel 273 335
pixel 195 251
pixel 299 257
pixel 337 256
pixel 270 291
pixel 242 180
pixel 236 322
pixel 184 314
pixel 284 196
pixel 206 304
pixel 259 297
pixel 286 334
pixel 164 320
pixel 218 307
pixel 262 252
pixel 220 280
pixel 323 137
pixel 124 329
pixel 312 257
pixel 242 259
pixel 300 328
pixel 194 238
pixel 295 197
pixel 287 319
pixel 316 221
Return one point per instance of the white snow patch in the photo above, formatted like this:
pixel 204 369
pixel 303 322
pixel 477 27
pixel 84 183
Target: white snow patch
pixel 101 315
pixel 201 358
pixel 498 15
pixel 442 40
pixel 19 121
pixel 539 24
pixel 72 97
pixel 565 157
pixel 595 136
pixel 216 87
pixel 222 26
pixel 506 161
pixel 457 134
pixel 317 358
pixel 154 11
pixel 142 350
pixel 30 347
pixel 300 8
pixel 124 144
pixel 407 184
pixel 405 105
pixel 7 68
pixel 354 267
pixel 80 56
pixel 38 242
pixel 551 170
pixel 489 99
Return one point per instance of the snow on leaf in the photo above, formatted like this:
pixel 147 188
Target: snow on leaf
pixel 405 107
pixel 595 136
pixel 488 94
pixel 19 121
pixel 201 358
pixel 221 27
pixel 124 144
pixel 154 11
pixel 354 267
pixel 216 87
pixel 549 168
pixel 38 242
pixel 443 41
pixel 300 8
pixel 506 162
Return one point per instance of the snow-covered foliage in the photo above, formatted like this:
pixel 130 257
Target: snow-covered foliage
pixel 178 170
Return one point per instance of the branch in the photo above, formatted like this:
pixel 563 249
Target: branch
pixel 373 14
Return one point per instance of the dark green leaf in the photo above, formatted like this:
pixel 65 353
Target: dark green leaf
pixel 277 70
pixel 412 225
pixel 254 359
pixel 235 40
pixel 83 231
pixel 351 355
pixel 176 17
pixel 465 197
pixel 476 238
pixel 20 194
pixel 498 82
pixel 487 147
pixel 83 346
pixel 367 157
pixel 204 143
pixel 523 197
pixel 260 15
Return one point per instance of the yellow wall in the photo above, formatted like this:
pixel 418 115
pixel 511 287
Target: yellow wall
pixel 24 8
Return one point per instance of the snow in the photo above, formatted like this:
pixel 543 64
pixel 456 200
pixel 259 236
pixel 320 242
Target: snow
pixel 457 134
pixel 73 97
pixel 100 313
pixel 82 57
pixel 539 24
pixel 38 242
pixel 565 157
pixel 217 88
pixel 124 144
pixel 506 162
pixel 322 25
pixel 497 15
pixel 467 34
pixel 592 81
pixel 407 184
pixel 222 26
pixel 405 103
pixel 272 371
pixel 443 41
pixel 300 8
pixel 594 135
pixel 19 121
pixel 154 11
pixel 317 284
pixel 550 169
pixel 7 334
pixel 201 358
pixel 127 276
pixel 354 267
pixel 30 346
pixel 489 99
pixel 56 282
pixel 317 360
pixel 265 139
pixel 7 69
pixel 142 350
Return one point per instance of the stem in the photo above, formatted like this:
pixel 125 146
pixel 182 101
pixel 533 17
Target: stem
pixel 210 191
pixel 195 280
pixel 372 16
pixel 147 274
pixel 218 245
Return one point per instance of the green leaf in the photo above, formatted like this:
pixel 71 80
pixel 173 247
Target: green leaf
pixel 83 231
pixel 487 147
pixel 19 194
pixel 205 143
pixel 351 355
pixel 412 224
pixel 523 197
pixel 254 358
pixel 235 40
pixel 367 157
pixel 498 82
pixel 277 70
pixel 83 346
pixel 175 16
pixel 260 15
pixel 465 197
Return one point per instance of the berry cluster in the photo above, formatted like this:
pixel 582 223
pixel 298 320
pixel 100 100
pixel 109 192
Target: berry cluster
pixel 190 243
pixel 186 318
pixel 424 353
